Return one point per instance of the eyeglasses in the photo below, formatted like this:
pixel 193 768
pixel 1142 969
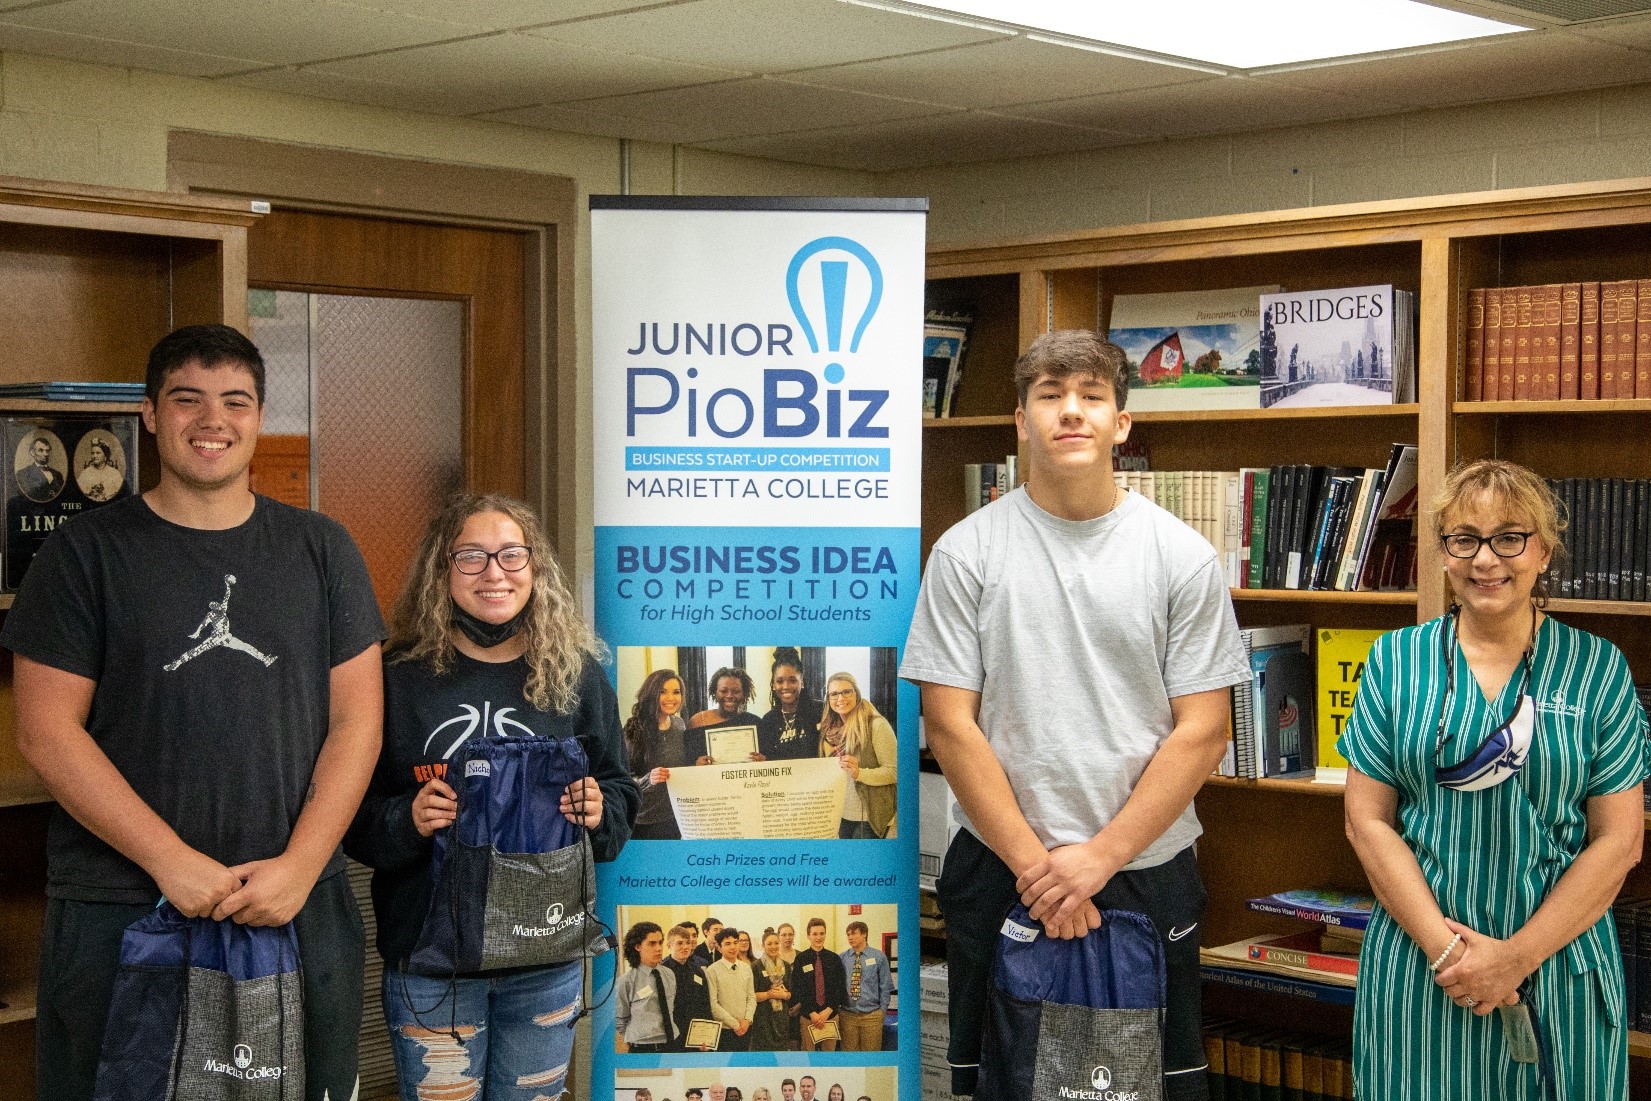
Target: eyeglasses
pixel 839 694
pixel 1504 544
pixel 510 559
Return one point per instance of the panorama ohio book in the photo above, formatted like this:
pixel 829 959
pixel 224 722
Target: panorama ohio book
pixel 1191 349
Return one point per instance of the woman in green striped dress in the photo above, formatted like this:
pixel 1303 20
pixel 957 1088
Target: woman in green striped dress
pixel 1494 799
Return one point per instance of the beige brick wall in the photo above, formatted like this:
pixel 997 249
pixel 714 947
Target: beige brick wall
pixel 1570 138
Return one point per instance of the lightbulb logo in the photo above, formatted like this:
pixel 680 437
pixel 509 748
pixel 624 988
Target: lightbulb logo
pixel 834 296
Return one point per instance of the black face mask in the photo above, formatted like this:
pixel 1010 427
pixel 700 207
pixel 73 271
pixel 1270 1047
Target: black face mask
pixel 484 634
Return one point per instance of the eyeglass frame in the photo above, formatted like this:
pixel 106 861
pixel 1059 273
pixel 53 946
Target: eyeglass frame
pixel 1481 541
pixel 840 693
pixel 491 556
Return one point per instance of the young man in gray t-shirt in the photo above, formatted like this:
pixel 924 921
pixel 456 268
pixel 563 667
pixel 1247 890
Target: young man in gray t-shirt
pixel 1075 645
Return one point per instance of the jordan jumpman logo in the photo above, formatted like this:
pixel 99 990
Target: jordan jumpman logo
pixel 216 628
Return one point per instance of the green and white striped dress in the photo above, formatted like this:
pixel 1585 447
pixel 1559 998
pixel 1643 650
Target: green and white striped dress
pixel 1491 857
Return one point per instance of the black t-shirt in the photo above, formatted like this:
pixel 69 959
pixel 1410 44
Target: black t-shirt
pixel 426 719
pixel 212 652
pixel 777 743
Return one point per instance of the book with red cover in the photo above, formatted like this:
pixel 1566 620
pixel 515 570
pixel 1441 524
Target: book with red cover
pixel 1301 950
pixel 1523 355
pixel 1642 347
pixel 1510 343
pixel 1473 365
pixel 1627 336
pixel 1491 374
pixel 1607 341
pixel 1588 344
pixel 1570 341
pixel 1545 344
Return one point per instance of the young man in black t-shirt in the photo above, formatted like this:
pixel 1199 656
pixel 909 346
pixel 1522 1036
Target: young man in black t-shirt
pixel 197 681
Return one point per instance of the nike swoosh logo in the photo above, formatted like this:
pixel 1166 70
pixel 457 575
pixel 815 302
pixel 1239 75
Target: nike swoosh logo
pixel 1176 934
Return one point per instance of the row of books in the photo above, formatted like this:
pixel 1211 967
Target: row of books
pixel 1299 526
pixel 1250 1062
pixel 1633 918
pixel 1559 342
pixel 1608 542
pixel 984 483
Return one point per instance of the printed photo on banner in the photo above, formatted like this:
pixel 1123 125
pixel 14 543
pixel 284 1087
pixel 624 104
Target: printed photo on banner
pixel 756 977
pixel 756 1084
pixel 761 742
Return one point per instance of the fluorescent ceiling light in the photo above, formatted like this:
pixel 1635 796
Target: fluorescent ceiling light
pixel 1240 34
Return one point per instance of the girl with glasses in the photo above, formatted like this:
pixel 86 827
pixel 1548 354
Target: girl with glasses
pixel 1494 799
pixel 855 732
pixel 486 639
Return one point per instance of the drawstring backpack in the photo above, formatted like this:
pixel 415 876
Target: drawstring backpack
pixel 204 1010
pixel 514 883
pixel 1079 1018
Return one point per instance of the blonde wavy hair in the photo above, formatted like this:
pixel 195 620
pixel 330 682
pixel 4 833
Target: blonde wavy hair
pixel 856 728
pixel 558 641
pixel 1516 491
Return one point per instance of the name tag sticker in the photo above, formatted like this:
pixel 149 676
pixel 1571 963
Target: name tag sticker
pixel 1016 931
pixel 478 768
pixel 807 967
pixel 700 979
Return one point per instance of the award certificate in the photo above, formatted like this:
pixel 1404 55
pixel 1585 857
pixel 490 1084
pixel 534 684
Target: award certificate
pixel 727 745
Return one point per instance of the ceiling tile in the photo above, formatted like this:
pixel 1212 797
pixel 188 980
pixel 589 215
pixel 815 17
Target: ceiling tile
pixel 741 108
pixel 575 120
pixel 278 32
pixel 106 51
pixel 1634 33
pixel 766 37
pixel 515 70
pixel 1498 68
pixel 953 138
pixel 430 98
pixel 493 15
pixel 997 74
pixel 1228 104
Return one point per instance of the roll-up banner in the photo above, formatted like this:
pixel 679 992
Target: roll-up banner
pixel 757 402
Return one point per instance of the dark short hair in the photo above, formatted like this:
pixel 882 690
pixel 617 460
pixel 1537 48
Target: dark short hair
pixel 1067 352
pixel 787 1082
pixel 812 922
pixel 211 346
pixel 734 672
pixel 808 1078
pixel 710 921
pixel 695 1092
pixel 634 936
pixel 728 933
pixel 857 927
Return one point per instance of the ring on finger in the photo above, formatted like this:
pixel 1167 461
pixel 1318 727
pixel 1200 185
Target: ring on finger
pixel 1470 1003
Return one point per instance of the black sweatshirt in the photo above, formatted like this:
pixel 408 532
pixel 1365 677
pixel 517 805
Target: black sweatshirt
pixel 426 719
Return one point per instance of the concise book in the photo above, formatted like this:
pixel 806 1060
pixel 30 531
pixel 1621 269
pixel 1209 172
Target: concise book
pixel 1302 950
pixel 1325 905
pixel 1191 349
pixel 1346 346
pixel 1341 658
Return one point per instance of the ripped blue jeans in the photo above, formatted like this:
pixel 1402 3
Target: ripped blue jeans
pixel 514 1033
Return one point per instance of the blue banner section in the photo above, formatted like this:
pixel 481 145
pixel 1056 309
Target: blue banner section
pixel 723 586
pixel 726 460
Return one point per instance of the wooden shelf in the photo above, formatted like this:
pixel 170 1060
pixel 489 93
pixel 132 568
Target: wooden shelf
pixel 1639 1045
pixel 1316 412
pixel 1329 596
pixel 18 790
pixel 6 600
pixel 1601 607
pixel 36 405
pixel 994 421
pixel 1300 787
pixel 1496 408
pixel 20 1004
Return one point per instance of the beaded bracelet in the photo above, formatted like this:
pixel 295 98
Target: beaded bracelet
pixel 1443 956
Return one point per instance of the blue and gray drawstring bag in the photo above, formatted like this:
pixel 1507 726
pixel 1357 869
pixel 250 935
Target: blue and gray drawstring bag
pixel 204 1010
pixel 514 884
pixel 1079 1018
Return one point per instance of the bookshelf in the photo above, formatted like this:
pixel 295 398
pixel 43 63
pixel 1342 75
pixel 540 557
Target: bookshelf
pixel 91 278
pixel 1271 835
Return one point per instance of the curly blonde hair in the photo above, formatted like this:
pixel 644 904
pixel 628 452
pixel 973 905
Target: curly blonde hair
pixel 558 640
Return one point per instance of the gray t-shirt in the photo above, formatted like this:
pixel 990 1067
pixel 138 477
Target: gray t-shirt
pixel 1076 634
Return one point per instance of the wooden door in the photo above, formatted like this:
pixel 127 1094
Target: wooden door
pixel 481 270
